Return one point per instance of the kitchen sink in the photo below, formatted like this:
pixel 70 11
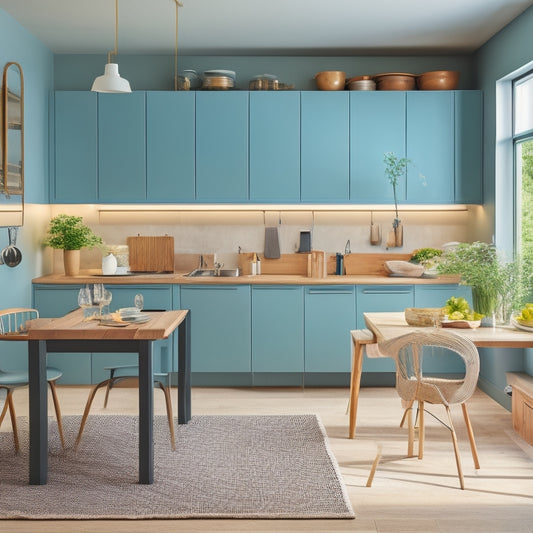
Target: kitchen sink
pixel 223 273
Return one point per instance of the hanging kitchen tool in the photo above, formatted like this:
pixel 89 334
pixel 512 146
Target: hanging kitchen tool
pixel 272 242
pixel 375 231
pixel 11 255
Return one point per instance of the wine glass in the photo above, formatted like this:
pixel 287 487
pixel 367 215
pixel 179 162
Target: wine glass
pixel 139 301
pixel 105 300
pixel 85 300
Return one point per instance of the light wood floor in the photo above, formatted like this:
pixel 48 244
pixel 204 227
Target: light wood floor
pixel 407 495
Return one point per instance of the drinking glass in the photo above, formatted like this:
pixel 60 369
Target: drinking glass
pixel 85 301
pixel 139 301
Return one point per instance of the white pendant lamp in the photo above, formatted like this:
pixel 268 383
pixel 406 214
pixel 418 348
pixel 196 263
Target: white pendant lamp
pixel 111 82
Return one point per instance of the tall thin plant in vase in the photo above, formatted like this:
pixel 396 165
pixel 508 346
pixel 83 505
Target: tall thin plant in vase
pixel 395 168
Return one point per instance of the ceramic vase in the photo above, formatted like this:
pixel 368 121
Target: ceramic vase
pixel 109 265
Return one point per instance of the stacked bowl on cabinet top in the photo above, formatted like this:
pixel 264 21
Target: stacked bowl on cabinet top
pixel 225 80
pixel 438 80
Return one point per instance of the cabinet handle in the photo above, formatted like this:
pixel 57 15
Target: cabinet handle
pixel 385 291
pixel 208 288
pixel 318 291
pixel 275 288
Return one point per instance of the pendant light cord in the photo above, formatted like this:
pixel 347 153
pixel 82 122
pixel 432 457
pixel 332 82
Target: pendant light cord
pixel 114 52
pixel 178 5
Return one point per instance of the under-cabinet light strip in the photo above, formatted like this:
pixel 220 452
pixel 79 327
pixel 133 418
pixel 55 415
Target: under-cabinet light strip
pixel 280 207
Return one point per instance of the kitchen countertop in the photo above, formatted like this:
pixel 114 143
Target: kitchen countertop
pixel 94 276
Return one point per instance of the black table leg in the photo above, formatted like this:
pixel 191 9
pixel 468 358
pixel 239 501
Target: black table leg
pixel 184 370
pixel 146 414
pixel 38 413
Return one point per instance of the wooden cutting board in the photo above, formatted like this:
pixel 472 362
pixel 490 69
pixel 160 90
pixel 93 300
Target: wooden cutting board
pixel 151 254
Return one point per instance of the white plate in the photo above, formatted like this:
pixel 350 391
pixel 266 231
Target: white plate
pixel 517 325
pixel 461 324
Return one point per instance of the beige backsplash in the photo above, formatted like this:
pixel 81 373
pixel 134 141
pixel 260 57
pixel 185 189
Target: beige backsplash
pixel 224 232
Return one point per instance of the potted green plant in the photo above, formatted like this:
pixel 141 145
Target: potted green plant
pixel 70 234
pixel 497 286
pixel 395 168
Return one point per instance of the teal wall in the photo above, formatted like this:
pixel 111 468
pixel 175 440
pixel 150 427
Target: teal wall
pixel 156 73
pixel 506 52
pixel 37 62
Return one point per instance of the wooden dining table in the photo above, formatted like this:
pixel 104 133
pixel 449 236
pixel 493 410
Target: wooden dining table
pixel 387 326
pixel 72 334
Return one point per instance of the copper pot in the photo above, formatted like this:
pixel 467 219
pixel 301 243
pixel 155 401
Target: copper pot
pixel 395 81
pixel 438 80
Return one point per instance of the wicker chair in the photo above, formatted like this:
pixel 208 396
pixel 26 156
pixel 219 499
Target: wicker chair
pixel 414 386
pixel 12 328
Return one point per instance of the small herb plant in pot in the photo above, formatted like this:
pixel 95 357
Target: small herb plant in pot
pixel 70 234
pixel 395 168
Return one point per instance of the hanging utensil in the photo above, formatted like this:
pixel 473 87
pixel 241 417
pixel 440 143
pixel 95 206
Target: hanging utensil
pixel 375 231
pixel 11 255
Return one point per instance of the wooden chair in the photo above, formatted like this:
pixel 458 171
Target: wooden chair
pixel 113 379
pixel 13 328
pixel 413 385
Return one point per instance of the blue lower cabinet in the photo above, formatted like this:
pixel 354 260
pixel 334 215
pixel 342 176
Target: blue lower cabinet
pixel 85 368
pixel 54 301
pixel 277 330
pixel 220 327
pixel 436 296
pixel 156 298
pixel 375 299
pixel 329 317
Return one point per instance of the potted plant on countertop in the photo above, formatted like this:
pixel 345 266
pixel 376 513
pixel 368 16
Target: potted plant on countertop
pixel 70 234
pixel 498 287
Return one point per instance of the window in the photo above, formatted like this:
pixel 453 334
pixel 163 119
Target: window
pixel 523 162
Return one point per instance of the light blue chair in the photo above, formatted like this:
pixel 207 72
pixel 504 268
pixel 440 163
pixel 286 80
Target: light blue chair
pixel 13 327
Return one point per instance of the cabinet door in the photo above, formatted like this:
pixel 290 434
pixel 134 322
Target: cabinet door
pixel 325 174
pixel 155 298
pixel 220 327
pixel 54 301
pixel 170 145
pixel 329 317
pixel 381 299
pixel 121 147
pixel 275 146
pixel 436 296
pixel 75 147
pixel 277 329
pixel 430 144
pixel 377 126
pixel 222 146
pixel 468 147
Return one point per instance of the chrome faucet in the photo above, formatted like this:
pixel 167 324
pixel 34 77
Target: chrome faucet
pixel 347 249
pixel 218 266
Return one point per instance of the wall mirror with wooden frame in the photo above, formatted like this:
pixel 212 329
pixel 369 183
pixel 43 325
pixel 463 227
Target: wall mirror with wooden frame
pixel 12 146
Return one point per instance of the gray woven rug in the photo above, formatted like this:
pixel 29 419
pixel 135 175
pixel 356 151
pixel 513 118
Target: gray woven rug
pixel 223 467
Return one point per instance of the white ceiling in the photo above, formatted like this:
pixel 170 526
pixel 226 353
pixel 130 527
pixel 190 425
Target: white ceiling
pixel 266 27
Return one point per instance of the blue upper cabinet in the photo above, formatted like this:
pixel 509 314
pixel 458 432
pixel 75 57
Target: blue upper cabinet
pixel 325 145
pixel 75 148
pixel 377 126
pixel 222 146
pixel 468 147
pixel 430 143
pixel 170 145
pixel 275 146
pixel 122 147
